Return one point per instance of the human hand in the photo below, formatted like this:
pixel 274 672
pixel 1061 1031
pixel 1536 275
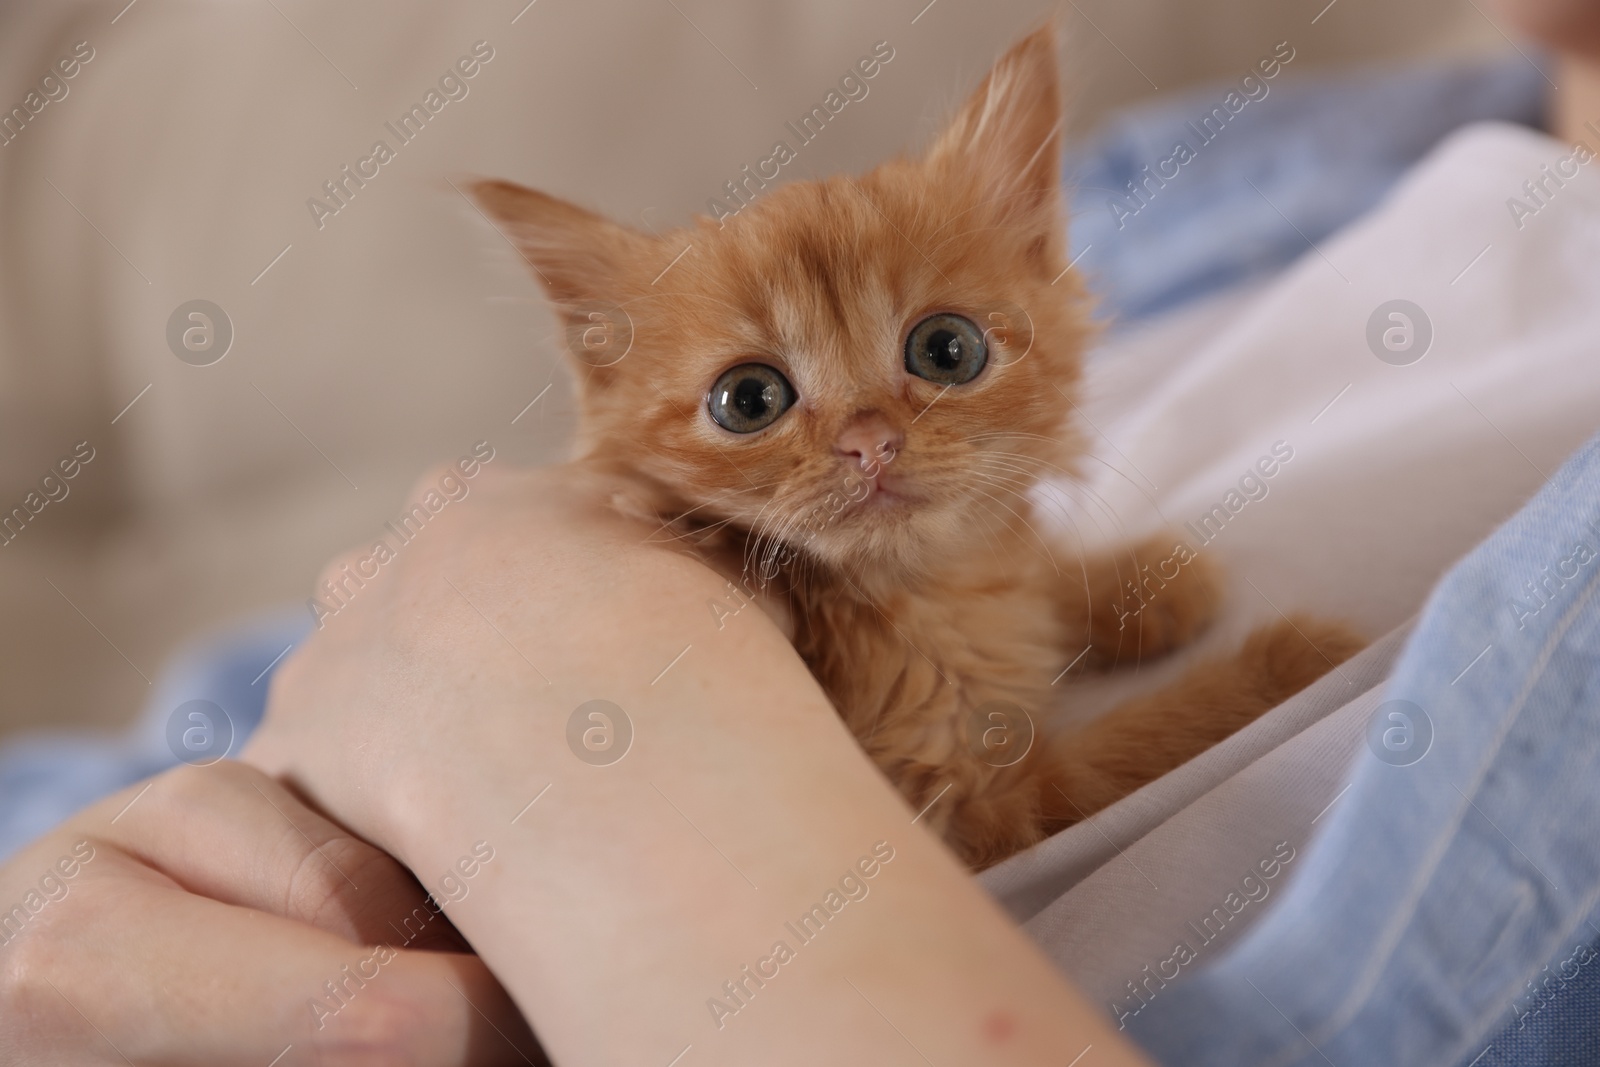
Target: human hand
pixel 506 606
pixel 203 918
pixel 435 708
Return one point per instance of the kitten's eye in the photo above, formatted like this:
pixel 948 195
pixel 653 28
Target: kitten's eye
pixel 946 349
pixel 749 397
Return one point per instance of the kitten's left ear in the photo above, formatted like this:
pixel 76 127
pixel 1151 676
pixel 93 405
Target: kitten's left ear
pixel 1005 143
pixel 579 256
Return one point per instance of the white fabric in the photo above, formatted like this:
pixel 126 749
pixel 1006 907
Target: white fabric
pixel 1405 472
pixel 1112 896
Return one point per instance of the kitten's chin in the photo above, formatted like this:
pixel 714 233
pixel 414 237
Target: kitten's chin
pixel 887 536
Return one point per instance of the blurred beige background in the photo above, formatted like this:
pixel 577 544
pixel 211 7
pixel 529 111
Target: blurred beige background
pixel 178 167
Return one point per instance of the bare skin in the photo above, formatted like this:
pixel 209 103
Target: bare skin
pixel 1577 105
pixel 211 909
pixel 432 713
pixel 1570 29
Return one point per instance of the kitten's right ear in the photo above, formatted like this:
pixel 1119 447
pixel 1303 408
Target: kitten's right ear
pixel 1006 138
pixel 578 255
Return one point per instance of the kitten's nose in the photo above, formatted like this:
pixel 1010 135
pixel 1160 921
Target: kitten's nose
pixel 870 438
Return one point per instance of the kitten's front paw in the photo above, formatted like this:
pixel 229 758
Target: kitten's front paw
pixel 1153 598
pixel 1288 655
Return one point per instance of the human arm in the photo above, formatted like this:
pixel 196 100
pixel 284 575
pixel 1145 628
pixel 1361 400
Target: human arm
pixel 432 712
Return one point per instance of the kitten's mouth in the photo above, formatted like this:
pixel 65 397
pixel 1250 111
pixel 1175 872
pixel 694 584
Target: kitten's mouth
pixel 885 491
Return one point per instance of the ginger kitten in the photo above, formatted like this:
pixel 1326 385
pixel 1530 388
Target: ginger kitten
pixel 842 397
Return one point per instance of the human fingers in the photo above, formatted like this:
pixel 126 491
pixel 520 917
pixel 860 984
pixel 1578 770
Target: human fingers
pixel 130 968
pixel 231 833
